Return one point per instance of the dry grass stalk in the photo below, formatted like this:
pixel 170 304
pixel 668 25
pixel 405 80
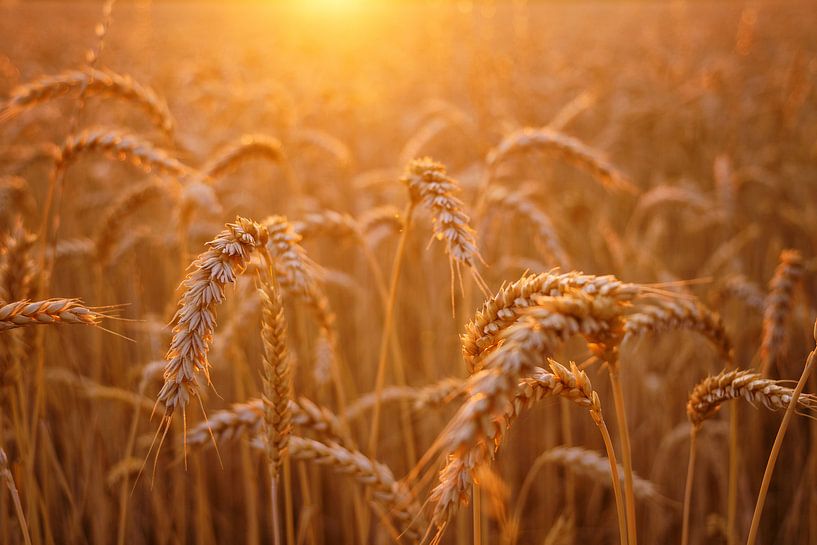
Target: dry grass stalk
pixel 276 375
pixel 224 260
pixel 777 307
pixel 47 312
pixel 570 149
pixel 122 146
pixel 89 82
pixel 708 395
pixel 390 494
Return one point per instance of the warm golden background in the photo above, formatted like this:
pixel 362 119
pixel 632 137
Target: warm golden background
pixel 708 110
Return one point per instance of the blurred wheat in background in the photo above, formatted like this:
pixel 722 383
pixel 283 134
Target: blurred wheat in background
pixel 371 272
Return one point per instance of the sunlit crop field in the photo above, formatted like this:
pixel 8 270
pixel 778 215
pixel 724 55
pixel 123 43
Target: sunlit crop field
pixel 371 272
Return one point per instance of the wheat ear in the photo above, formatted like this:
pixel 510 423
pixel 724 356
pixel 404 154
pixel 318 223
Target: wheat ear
pixel 47 312
pixel 276 379
pixel 88 81
pixel 387 492
pixel 777 307
pixel 224 260
pixel 570 149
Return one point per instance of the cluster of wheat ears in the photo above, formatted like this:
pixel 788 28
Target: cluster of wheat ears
pixel 338 358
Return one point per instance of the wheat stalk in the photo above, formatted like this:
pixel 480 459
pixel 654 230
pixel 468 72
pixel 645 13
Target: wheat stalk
pixel 8 478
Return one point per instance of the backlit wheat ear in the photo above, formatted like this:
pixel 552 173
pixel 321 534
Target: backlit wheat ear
pixel 299 276
pixel 503 309
pixel 595 466
pixel 665 314
pixel 276 376
pixel 708 395
pixel 16 264
pixel 391 495
pixel 47 312
pixel 424 397
pixel 777 307
pixel 568 148
pixel 596 315
pixel 518 204
pixel 110 228
pixel 328 144
pixel 743 289
pixel 328 223
pixel 247 419
pixel 224 260
pixel 249 146
pixel 429 185
pixel 15 199
pixel 90 82
pixel 122 146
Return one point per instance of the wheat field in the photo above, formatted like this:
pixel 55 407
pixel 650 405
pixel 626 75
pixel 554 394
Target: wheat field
pixel 421 272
